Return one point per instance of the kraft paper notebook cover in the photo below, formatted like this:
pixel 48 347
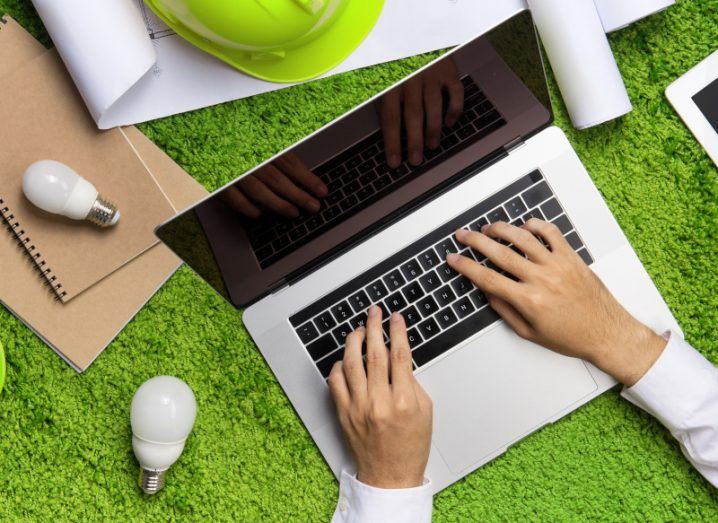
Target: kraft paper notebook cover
pixel 43 117
pixel 81 329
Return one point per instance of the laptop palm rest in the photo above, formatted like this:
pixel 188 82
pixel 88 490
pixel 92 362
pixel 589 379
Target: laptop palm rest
pixel 495 390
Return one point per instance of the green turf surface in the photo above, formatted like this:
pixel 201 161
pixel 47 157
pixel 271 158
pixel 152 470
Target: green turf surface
pixel 65 450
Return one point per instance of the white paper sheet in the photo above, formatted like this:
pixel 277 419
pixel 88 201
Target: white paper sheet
pixel 130 68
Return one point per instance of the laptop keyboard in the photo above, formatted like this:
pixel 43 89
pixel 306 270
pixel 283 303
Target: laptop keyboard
pixel 360 176
pixel 441 307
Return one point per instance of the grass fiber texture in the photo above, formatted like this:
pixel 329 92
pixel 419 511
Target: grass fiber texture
pixel 65 449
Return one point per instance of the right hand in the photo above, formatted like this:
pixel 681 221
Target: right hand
pixel 386 416
pixel 283 187
pixel 557 302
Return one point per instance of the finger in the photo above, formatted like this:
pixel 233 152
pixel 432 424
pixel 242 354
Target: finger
pixel 501 255
pixel 414 120
pixel 433 105
pixel 402 377
pixel 377 360
pixel 353 365
pixel 511 316
pixel 550 234
pixel 282 186
pixel 294 167
pixel 259 193
pixel 521 238
pixel 455 90
pixel 485 279
pixel 391 126
pixel 239 202
pixel 339 389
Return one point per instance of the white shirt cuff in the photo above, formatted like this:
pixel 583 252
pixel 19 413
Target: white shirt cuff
pixel 676 387
pixel 360 503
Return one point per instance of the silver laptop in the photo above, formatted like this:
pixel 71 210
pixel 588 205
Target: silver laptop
pixel 381 237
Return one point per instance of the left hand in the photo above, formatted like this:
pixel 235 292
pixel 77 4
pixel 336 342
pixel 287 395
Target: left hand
pixel 384 413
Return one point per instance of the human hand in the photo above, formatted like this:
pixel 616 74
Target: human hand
pixel 557 302
pixel 282 187
pixel 422 102
pixel 384 413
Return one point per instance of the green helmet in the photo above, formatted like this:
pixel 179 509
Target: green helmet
pixel 275 40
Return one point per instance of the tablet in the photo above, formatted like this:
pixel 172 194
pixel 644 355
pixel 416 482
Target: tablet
pixel 695 97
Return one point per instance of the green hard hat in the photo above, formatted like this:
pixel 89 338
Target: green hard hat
pixel 275 40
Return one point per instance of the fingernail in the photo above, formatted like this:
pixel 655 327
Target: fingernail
pixel 374 310
pixel 461 233
pixel 321 189
pixel 313 206
pixel 416 158
pixel 360 329
pixel 452 257
pixel 395 317
pixel 433 144
pixel 394 160
pixel 484 227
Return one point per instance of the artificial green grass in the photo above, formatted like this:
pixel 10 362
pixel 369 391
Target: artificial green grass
pixel 65 450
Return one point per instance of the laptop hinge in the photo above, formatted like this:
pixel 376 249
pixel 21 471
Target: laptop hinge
pixel 279 287
pixel 514 144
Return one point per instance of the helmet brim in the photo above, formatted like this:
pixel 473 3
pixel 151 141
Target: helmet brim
pixel 303 63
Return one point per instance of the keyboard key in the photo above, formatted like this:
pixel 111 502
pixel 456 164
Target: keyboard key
pixel 354 161
pixel 297 233
pixel 382 182
pixel 574 241
pixel 366 166
pixel 325 365
pixel 333 198
pixel 341 332
pixel 515 207
pixel 395 302
pixel 364 193
pixel 384 310
pixel 455 335
pixel 358 321
pixel 324 322
pixel 535 213
pixel 342 311
pixel 414 338
pixel 498 215
pixel 461 285
pixel 465 131
pixel 583 253
pixel 281 242
pixel 385 328
pixel 307 332
pixel 411 316
pixel 446 318
pixel 478 298
pixel 349 202
pixel 331 213
pixel 394 280
pixel 551 209
pixel 536 194
pixel 413 292
pixel 322 346
pixel 446 273
pixel 429 260
pixel 359 301
pixel 314 222
pixel 444 247
pixel 428 328
pixel 427 306
pixel 367 178
pixel 337 171
pixel 563 224
pixel 264 252
pixel 430 281
pixel 376 291
pixel 444 296
pixel 352 187
pixel 478 224
pixel 463 307
pixel 411 270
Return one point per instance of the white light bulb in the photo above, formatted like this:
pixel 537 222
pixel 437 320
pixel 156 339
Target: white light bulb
pixel 57 189
pixel 162 415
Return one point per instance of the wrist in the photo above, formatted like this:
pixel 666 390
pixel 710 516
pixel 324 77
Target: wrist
pixel 628 357
pixel 389 482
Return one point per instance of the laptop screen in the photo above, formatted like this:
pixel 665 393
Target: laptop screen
pixel 369 168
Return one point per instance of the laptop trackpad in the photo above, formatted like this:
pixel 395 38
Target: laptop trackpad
pixel 495 390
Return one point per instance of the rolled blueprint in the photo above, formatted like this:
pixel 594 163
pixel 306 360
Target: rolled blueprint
pixel 617 14
pixel 581 59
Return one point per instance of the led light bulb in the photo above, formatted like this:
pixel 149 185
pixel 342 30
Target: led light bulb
pixel 56 188
pixel 162 415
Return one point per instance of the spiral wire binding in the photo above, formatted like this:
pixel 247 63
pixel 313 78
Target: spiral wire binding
pixel 31 251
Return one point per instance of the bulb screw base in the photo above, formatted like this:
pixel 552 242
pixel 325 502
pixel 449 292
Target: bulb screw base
pixel 152 481
pixel 103 213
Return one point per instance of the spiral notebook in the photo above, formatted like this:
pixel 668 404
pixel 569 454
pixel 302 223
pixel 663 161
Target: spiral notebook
pixel 80 328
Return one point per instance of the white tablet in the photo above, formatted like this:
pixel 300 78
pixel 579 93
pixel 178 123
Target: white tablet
pixel 695 97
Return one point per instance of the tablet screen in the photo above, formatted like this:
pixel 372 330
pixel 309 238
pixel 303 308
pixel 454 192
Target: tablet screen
pixel 707 101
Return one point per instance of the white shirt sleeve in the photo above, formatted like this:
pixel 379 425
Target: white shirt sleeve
pixel 681 390
pixel 359 503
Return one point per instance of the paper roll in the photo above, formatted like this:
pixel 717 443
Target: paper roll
pixel 581 59
pixel 617 14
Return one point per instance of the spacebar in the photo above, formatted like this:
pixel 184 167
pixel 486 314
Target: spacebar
pixel 455 335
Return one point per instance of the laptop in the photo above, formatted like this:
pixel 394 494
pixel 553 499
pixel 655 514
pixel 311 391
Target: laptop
pixel 381 237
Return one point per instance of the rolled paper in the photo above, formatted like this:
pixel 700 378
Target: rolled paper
pixel 617 14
